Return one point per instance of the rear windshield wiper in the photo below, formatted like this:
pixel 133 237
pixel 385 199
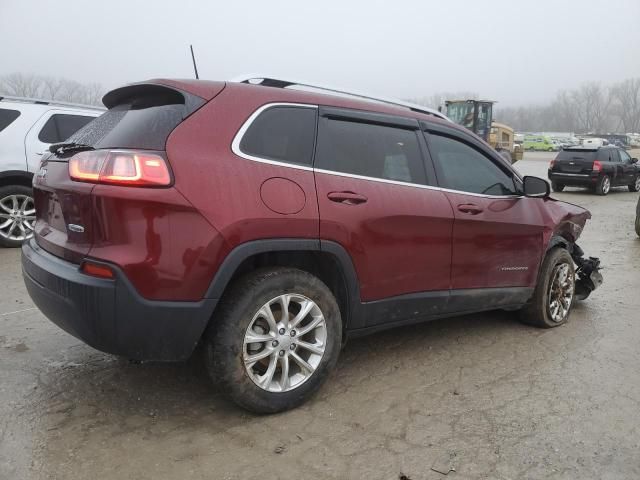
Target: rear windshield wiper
pixel 62 148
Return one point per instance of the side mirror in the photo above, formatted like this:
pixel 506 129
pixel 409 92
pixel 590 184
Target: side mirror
pixel 535 187
pixel 634 160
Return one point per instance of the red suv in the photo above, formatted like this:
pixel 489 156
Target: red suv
pixel 271 224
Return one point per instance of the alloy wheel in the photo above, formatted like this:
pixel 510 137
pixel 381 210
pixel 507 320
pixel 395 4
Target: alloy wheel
pixel 17 217
pixel 606 185
pixel 284 343
pixel 561 290
pixel 637 183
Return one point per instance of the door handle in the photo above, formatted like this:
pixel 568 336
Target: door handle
pixel 470 208
pixel 348 198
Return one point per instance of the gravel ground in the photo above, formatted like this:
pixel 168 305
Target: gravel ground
pixel 480 395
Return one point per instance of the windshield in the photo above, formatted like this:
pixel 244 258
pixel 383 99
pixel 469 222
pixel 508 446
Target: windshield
pixel 461 113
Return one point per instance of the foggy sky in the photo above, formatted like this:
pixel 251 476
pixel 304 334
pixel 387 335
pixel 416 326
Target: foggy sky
pixel 513 51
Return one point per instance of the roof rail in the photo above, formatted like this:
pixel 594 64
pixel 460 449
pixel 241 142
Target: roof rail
pixel 267 81
pixel 40 101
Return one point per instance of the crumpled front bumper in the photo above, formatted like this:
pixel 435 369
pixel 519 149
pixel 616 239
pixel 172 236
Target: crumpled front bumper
pixel 588 273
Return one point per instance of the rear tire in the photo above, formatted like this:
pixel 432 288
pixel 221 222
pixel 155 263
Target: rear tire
pixel 17 215
pixel 635 186
pixel 557 187
pixel 638 225
pixel 542 312
pixel 604 185
pixel 254 309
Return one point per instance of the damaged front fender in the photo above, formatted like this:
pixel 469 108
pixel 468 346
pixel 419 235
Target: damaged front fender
pixel 568 221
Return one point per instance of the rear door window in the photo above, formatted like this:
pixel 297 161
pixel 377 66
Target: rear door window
pixel 624 156
pixel 7 117
pixel 370 150
pixel 282 133
pixel 461 167
pixel 610 155
pixel 61 126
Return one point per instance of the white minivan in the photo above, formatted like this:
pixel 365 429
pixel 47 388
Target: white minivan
pixel 27 128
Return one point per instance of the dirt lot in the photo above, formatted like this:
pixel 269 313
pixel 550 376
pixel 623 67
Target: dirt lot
pixel 481 394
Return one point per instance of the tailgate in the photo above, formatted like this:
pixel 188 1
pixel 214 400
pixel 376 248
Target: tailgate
pixel 140 117
pixel 64 212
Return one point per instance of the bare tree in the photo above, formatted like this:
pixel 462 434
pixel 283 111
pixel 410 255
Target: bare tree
pixel 50 88
pixel 589 108
pixel 21 85
pixel 627 107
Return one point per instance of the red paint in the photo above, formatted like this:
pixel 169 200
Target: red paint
pixel 402 239
pixel 59 201
pixel 282 195
pixel 496 242
pixel 399 239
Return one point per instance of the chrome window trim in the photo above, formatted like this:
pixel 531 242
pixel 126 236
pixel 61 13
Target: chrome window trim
pixel 235 144
pixel 235 148
pixel 407 184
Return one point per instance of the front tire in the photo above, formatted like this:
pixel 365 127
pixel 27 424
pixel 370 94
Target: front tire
pixel 275 339
pixel 557 187
pixel 604 185
pixel 555 293
pixel 635 186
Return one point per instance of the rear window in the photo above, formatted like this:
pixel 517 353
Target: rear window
pixel 588 155
pixel 142 120
pixel 7 117
pixel 61 126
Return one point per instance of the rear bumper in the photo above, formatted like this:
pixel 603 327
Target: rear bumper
pixel 110 315
pixel 573 178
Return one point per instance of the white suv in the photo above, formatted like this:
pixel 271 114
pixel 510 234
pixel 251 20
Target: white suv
pixel 27 128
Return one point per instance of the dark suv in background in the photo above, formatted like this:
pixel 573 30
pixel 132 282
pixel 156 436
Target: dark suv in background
pixel 271 224
pixel 598 169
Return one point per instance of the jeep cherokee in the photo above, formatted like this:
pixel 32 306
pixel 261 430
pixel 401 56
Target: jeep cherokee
pixel 270 224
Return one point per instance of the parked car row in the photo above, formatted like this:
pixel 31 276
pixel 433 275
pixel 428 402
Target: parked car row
pixel 27 128
pixel 304 220
pixel 550 143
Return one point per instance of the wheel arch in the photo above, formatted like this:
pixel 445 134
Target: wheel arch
pixel 16 177
pixel 327 260
pixel 558 240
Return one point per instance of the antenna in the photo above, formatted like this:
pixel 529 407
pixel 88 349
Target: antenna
pixel 193 57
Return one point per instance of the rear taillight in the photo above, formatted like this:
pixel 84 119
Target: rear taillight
pixel 120 167
pixel 597 166
pixel 552 164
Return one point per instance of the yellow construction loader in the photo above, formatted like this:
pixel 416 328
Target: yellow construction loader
pixel 477 116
